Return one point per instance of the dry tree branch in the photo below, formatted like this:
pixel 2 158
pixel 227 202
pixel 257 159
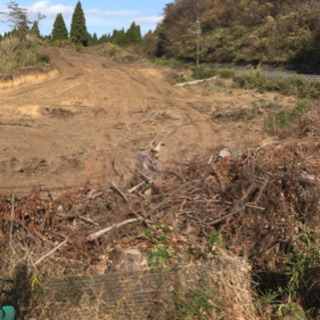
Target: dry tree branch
pixel 98 234
pixel 238 206
pixel 51 252
pixel 119 191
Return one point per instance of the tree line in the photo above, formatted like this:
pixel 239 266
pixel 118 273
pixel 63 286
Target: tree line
pixel 78 31
pixel 80 35
pixel 239 31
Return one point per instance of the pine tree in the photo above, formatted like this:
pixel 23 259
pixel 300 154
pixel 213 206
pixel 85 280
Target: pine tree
pixel 90 40
pixel 133 35
pixel 119 37
pixel 59 31
pixel 105 38
pixel 79 33
pixel 35 29
pixel 95 39
pixel 138 36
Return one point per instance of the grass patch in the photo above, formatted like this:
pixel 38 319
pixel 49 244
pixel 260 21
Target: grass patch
pixel 172 63
pixel 285 118
pixel 295 86
pixel 203 72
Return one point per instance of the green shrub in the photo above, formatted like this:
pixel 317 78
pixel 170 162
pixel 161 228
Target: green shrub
pixel 15 54
pixel 252 80
pixel 226 73
pixel 203 72
pixel 295 294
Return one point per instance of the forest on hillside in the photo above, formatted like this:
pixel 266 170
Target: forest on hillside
pixel 240 31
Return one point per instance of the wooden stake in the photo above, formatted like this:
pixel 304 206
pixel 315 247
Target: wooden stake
pixel 11 222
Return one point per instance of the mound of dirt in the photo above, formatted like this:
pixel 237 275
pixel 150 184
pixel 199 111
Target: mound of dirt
pixel 98 111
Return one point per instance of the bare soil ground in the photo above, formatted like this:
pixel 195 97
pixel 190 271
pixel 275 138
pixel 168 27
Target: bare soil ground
pixel 64 129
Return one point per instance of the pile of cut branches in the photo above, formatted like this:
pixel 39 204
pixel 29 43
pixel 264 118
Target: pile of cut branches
pixel 257 202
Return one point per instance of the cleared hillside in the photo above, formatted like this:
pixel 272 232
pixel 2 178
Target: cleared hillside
pixel 65 129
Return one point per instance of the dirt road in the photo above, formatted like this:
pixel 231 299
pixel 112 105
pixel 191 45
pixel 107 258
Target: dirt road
pixel 65 129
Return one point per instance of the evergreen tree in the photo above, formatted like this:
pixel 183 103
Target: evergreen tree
pixel 59 31
pixel 35 28
pixel 92 39
pixel 79 33
pixel 133 35
pixel 138 36
pixel 119 37
pixel 95 39
pixel 105 38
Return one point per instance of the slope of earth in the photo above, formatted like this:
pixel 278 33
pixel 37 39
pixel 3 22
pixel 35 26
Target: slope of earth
pixel 69 128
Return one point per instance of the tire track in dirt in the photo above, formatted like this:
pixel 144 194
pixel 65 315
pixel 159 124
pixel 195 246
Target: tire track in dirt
pixel 92 109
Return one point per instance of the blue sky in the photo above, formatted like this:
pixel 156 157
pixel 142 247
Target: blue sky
pixel 101 16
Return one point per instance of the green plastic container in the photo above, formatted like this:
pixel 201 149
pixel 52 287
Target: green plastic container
pixel 7 313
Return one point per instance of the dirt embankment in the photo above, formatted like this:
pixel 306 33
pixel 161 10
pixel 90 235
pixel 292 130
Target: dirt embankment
pixel 69 127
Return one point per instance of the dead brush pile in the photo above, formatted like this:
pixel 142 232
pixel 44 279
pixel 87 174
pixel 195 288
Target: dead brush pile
pixel 258 203
pixel 254 205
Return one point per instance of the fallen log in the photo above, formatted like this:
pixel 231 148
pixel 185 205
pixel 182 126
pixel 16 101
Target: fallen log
pixel 189 83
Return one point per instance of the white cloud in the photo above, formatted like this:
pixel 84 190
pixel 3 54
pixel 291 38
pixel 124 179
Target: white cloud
pixel 100 21
pixel 149 20
pixel 45 7
pixel 120 13
pixel 93 21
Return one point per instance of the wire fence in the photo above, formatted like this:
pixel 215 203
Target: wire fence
pixel 134 292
